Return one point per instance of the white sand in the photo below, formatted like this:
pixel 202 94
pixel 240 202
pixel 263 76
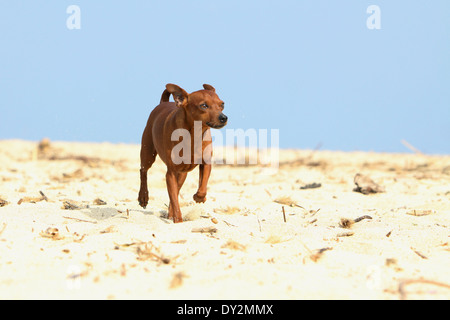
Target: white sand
pixel 103 252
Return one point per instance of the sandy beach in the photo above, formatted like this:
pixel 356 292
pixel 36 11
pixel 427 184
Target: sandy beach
pixel 71 227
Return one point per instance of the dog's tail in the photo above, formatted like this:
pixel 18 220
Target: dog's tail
pixel 165 96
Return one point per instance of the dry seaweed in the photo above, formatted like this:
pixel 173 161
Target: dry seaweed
pixel 147 251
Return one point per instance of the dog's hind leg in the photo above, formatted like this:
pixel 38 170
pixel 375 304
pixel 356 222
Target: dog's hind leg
pixel 174 182
pixel 148 156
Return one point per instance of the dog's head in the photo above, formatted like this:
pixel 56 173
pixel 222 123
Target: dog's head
pixel 203 105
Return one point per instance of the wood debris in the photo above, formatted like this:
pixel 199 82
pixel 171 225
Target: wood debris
pixel 365 185
pixel 182 241
pixel 73 205
pixel 177 280
pixel 287 201
pixel 345 234
pixel 420 254
pixel 347 223
pixel 419 213
pixel 74 175
pixel 402 284
pixel 231 244
pixel 52 233
pixel 313 185
pixel 3 202
pixel 3 228
pixel 204 230
pixel 43 197
pixel 315 256
pixel 99 202
pixel 110 229
pixel 79 220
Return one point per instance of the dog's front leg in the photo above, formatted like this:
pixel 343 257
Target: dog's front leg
pixel 205 171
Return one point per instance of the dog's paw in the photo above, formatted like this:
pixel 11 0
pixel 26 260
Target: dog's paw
pixel 199 198
pixel 143 204
pixel 143 199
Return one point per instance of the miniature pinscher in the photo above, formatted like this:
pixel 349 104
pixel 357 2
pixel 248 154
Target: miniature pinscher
pixel 199 110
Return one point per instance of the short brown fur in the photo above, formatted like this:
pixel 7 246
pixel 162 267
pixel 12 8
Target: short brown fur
pixel 203 105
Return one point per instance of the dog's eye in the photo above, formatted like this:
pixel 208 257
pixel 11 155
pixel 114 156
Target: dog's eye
pixel 204 106
pixel 222 105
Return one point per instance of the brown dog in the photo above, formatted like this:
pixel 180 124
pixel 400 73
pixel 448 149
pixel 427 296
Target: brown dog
pixel 199 110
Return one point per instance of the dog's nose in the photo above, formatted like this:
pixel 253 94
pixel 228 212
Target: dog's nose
pixel 223 118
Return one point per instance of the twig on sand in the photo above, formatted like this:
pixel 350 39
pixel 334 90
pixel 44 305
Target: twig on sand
pixel 205 230
pixel 419 213
pixel 287 201
pixel 284 213
pixel 33 199
pixel 362 218
pixel 347 223
pixel 316 256
pixel 411 147
pixel 79 220
pixel 313 185
pixel 404 283
pixel 70 205
pixel 44 197
pixel 229 224
pixel 259 222
pixel 3 228
pixel 419 253
pixel 345 234
pixel 3 202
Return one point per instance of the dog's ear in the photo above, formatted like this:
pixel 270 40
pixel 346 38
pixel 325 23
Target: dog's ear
pixel 179 94
pixel 209 87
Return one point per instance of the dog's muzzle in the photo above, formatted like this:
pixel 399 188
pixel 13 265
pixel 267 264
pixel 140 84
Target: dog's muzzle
pixel 222 122
pixel 223 118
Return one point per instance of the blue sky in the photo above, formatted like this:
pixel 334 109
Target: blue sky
pixel 311 69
